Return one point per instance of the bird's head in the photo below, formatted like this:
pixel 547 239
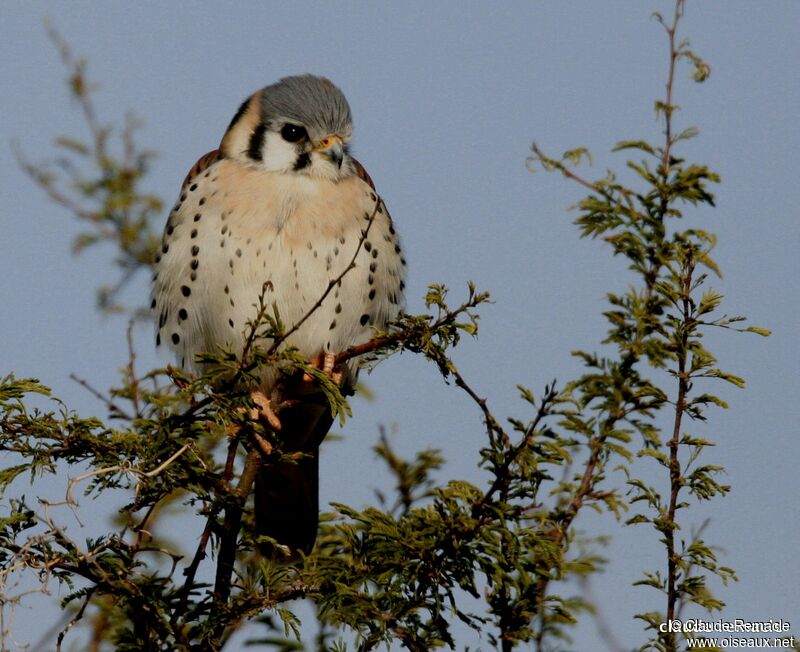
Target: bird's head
pixel 300 125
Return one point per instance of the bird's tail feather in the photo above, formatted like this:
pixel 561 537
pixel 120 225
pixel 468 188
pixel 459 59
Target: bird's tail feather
pixel 287 492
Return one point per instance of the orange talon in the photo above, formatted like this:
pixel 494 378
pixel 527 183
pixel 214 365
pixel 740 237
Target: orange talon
pixel 264 410
pixel 326 363
pixel 262 444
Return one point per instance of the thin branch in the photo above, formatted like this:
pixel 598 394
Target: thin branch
pixel 232 525
pixel 200 553
pixel 331 284
pixel 115 411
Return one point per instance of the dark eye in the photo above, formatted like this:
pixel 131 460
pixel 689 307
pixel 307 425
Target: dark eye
pixel 293 133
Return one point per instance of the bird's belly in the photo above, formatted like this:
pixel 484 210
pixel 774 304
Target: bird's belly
pixel 327 267
pixel 322 302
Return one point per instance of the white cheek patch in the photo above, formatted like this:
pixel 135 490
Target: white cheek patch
pixel 277 154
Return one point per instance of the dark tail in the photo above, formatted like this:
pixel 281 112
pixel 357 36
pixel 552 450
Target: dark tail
pixel 286 493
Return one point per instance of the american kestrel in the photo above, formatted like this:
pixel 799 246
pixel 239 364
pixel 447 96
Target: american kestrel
pixel 281 209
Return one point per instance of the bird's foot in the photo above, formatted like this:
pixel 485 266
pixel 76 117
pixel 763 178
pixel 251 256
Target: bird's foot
pixel 264 409
pixel 326 362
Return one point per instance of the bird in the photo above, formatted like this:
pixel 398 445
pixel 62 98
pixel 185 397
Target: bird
pixel 281 213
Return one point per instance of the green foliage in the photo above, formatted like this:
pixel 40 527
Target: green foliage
pixel 493 555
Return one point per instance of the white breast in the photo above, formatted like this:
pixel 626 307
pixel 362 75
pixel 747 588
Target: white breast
pixel 287 237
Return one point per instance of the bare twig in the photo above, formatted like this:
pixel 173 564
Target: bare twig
pixel 230 534
pixel 331 284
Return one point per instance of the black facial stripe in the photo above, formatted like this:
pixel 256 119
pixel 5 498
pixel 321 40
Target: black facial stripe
pixel 302 161
pixel 256 142
pixel 239 113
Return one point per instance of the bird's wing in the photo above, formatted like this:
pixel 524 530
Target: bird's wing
pixel 203 163
pixel 362 173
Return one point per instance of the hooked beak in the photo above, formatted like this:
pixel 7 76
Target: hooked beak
pixel 333 148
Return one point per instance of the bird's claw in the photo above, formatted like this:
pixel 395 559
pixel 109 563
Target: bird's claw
pixel 265 410
pixel 326 362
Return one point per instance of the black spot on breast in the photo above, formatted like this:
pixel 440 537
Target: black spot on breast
pixel 403 262
pixel 193 276
pixel 195 263
pixel 224 229
pixel 193 187
pixel 193 234
pixel 202 200
pixel 197 217
pixel 185 290
pixel 170 230
pixel 402 285
pixel 338 308
pixel 183 197
pixel 195 250
pixel 258 252
pixel 182 314
pixel 391 229
pixel 256 142
pixel 153 304
pixel 176 338
pixel 230 323
pixel 162 319
pixel 373 266
pixel 367 245
pixel 332 326
pixel 364 319
pixel 374 253
pixel 372 196
pixel 164 248
pixel 238 253
pixel 158 258
pixel 227 289
pixel 372 294
pixel 371 279
pixel 222 242
pixel 158 339
pixel 397 249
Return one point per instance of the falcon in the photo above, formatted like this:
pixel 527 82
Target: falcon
pixel 281 214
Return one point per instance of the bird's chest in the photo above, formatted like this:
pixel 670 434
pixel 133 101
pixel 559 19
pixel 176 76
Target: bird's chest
pixel 327 265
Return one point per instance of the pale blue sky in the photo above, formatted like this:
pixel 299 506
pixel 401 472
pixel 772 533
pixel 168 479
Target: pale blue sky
pixel 447 98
